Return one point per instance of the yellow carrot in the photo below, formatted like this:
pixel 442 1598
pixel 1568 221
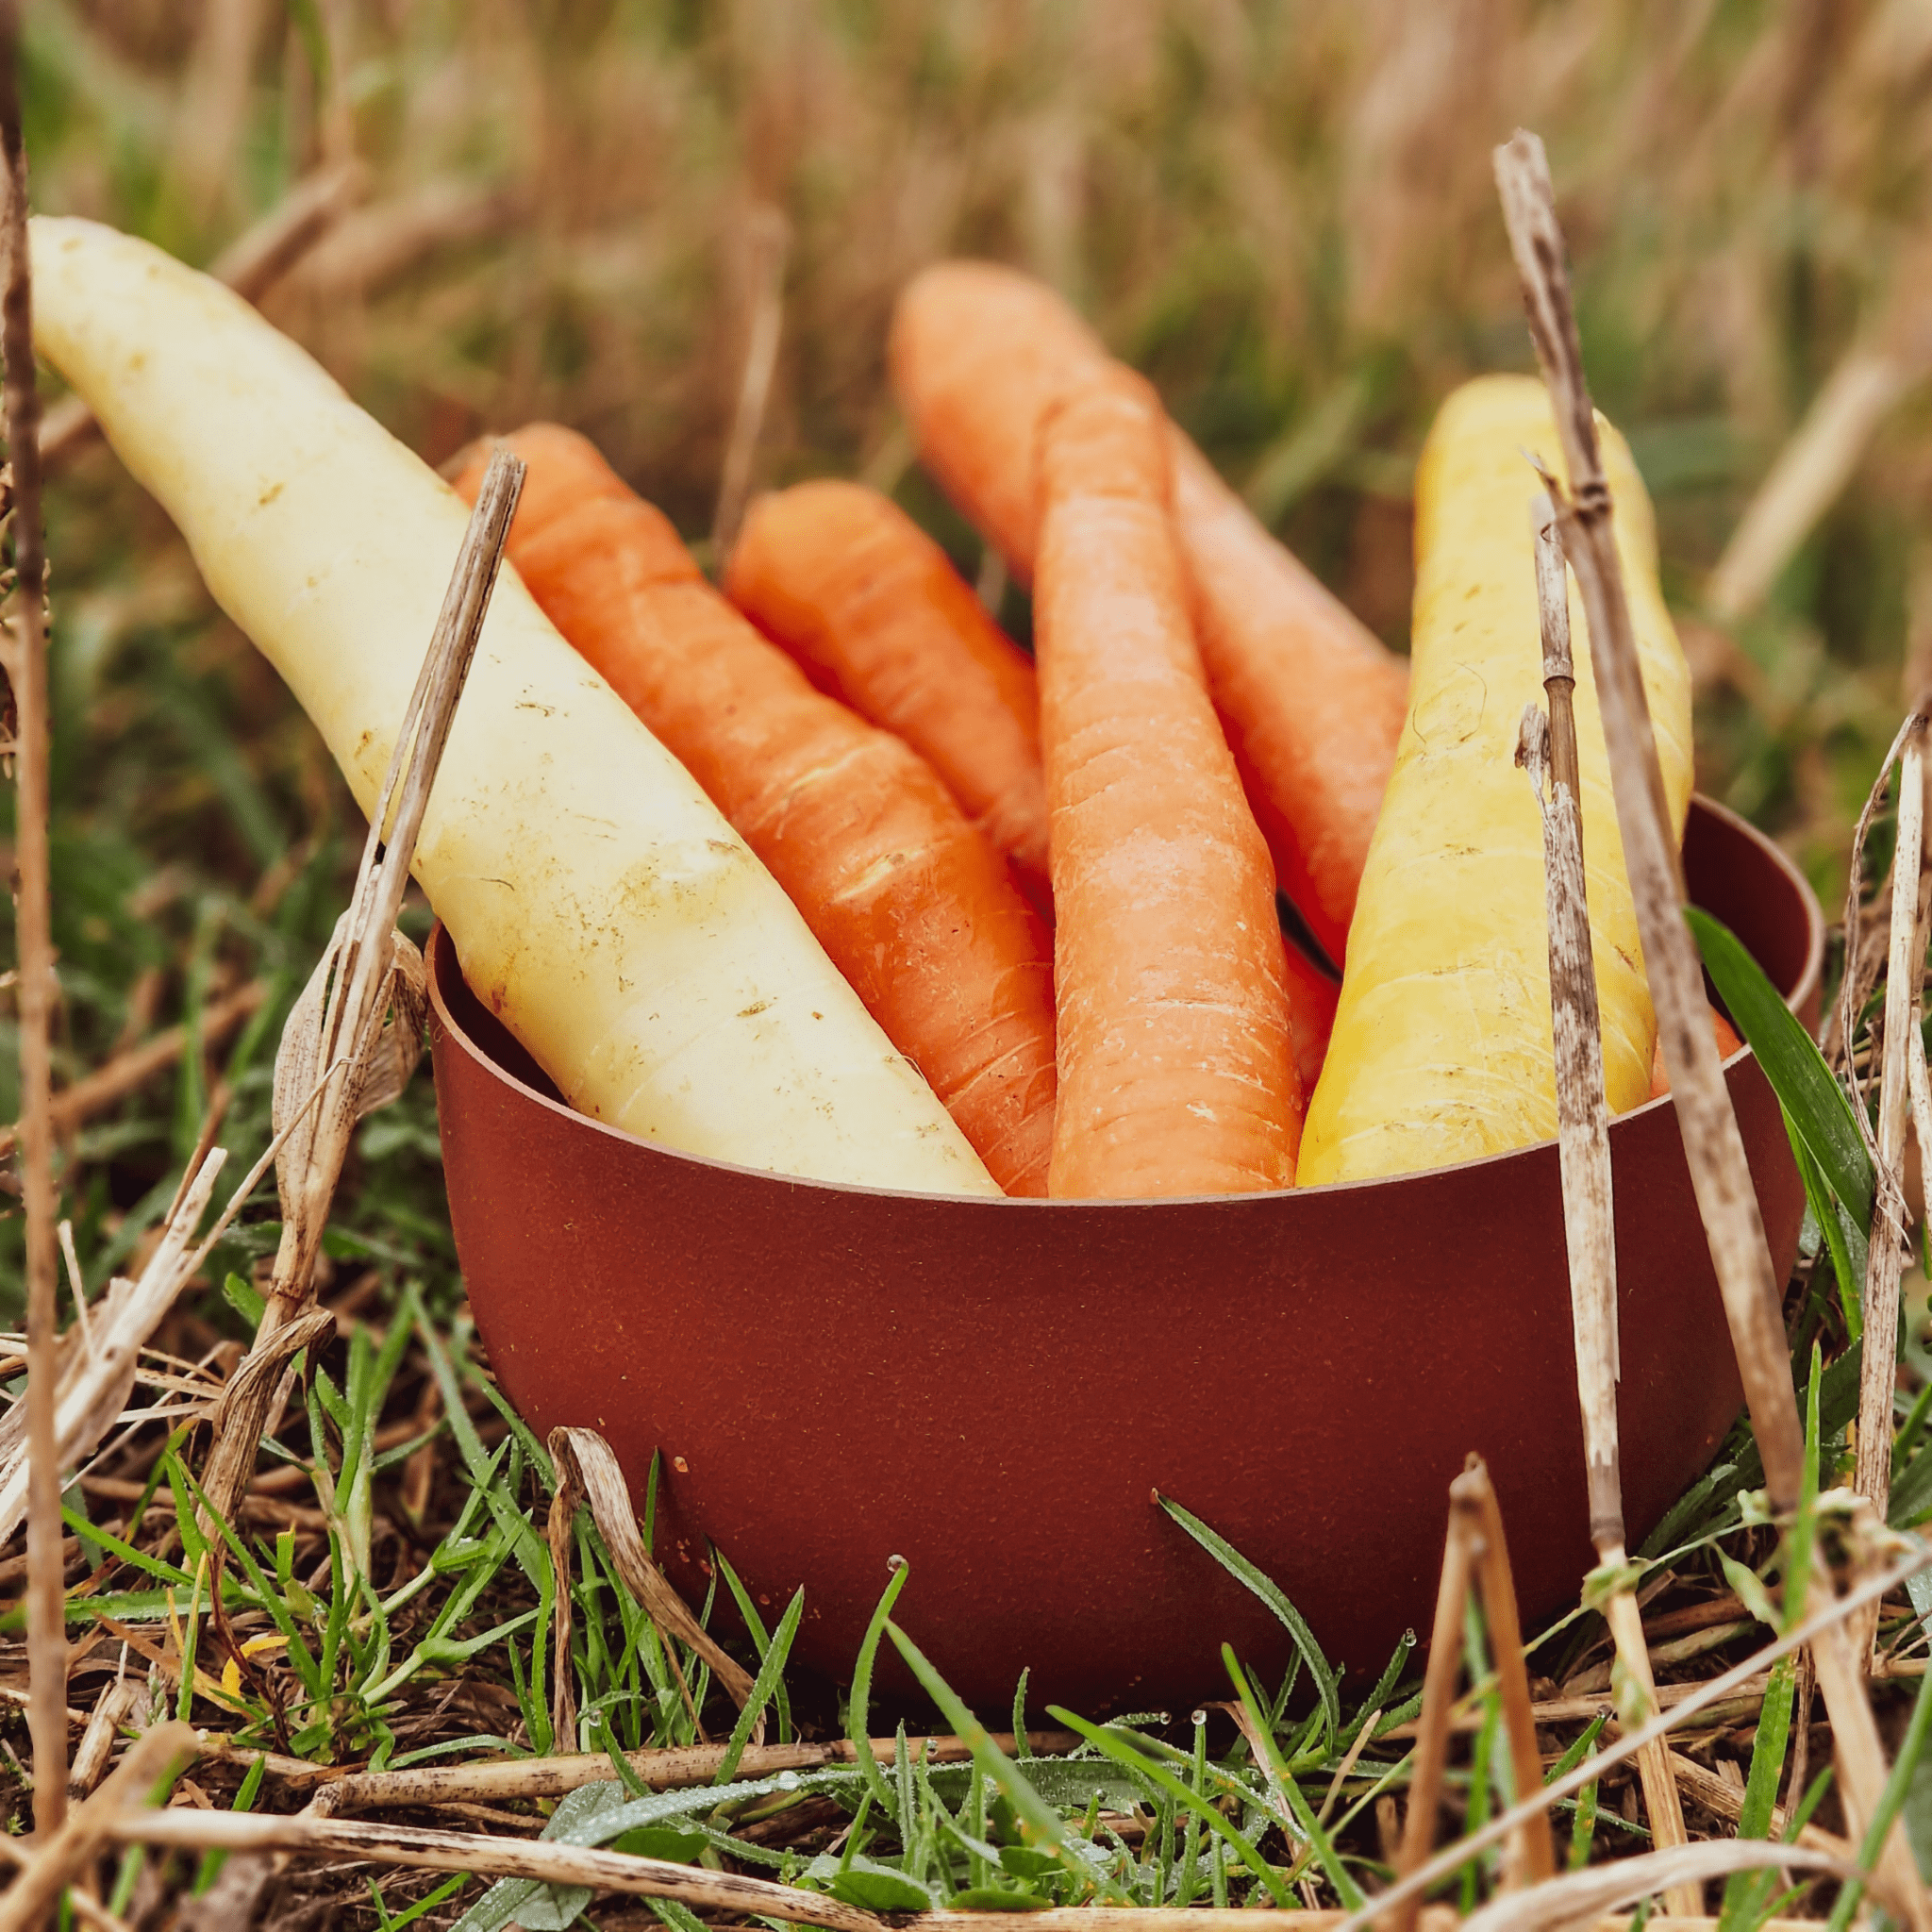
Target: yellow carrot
pixel 1441 1048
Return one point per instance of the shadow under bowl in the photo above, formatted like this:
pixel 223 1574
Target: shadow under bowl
pixel 996 1392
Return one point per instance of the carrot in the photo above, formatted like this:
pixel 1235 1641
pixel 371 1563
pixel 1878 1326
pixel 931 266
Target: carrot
pixel 601 905
pixel 869 604
pixel 1312 997
pixel 1311 704
pixel 1441 1046
pixel 913 906
pixel 1727 1043
pixel 1176 1059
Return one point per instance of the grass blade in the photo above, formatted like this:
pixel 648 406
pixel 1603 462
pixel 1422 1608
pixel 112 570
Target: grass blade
pixel 1028 1805
pixel 1272 1595
pixel 1116 1746
pixel 859 1705
pixel 1819 1109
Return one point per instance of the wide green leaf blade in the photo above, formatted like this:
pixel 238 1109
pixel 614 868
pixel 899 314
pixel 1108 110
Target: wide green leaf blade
pixel 1819 1110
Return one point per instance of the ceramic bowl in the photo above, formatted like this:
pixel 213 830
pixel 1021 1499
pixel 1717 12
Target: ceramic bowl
pixel 996 1390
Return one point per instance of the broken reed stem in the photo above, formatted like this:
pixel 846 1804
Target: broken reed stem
pixel 1886 1253
pixel 46 1614
pixel 1583 1115
pixel 1712 1145
pixel 661 1770
pixel 1583 1130
pixel 769 241
pixel 1432 1726
pixel 1474 1551
pixel 1664 1803
pixel 1713 1148
pixel 1533 1849
pixel 57 1857
pixel 491 1858
pixel 384 875
pixel 363 969
pixel 1413 1885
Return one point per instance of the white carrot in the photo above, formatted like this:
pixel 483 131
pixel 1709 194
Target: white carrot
pixel 598 901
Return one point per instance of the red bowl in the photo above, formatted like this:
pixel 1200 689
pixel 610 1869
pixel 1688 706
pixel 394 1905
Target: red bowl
pixel 995 1391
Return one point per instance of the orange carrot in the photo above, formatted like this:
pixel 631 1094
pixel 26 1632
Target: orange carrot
pixel 914 907
pixel 1312 997
pixel 1177 1072
pixel 1727 1043
pixel 1310 701
pixel 869 604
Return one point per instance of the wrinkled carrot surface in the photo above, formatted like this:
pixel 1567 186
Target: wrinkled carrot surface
pixel 873 610
pixel 912 904
pixel 1177 1072
pixel 1311 703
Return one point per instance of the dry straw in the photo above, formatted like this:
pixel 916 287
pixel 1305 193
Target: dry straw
pixel 1713 1147
pixel 1476 1555
pixel 768 242
pixel 1547 746
pixel 1695 1699
pixel 587 1472
pixel 356 1030
pixel 1900 1048
pixel 27 671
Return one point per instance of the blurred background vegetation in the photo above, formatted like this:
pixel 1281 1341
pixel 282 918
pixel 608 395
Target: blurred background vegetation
pixel 1282 210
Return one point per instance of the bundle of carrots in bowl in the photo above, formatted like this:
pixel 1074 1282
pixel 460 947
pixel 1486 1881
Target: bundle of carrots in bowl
pixel 817 872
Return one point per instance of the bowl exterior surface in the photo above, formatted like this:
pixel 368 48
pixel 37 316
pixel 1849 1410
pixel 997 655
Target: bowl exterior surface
pixel 996 1392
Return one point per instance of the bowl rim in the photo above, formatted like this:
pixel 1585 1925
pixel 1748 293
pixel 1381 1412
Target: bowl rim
pixel 446 1023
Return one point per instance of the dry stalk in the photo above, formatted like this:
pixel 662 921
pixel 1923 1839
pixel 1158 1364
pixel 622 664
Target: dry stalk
pixel 768 242
pixel 59 1854
pixel 356 1030
pixel 1688 1700
pixel 1583 1129
pixel 1581 1707
pixel 1810 471
pixel 1889 1239
pixel 98 1358
pixel 662 1770
pixel 1583 1117
pixel 1237 1919
pixel 115 1706
pixel 45 1616
pixel 1680 1869
pixel 1533 1851
pixel 377 244
pixel 1713 1148
pixel 73 1106
pixel 1474 1552
pixel 587 1472
pixel 489 1857
pixel 251 264
pixel 1865 952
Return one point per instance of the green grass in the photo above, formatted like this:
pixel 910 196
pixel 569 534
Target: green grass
pixel 1284 215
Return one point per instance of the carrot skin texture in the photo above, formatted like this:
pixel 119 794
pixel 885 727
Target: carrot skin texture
pixel 912 904
pixel 1311 703
pixel 1176 1057
pixel 1441 1049
pixel 874 611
